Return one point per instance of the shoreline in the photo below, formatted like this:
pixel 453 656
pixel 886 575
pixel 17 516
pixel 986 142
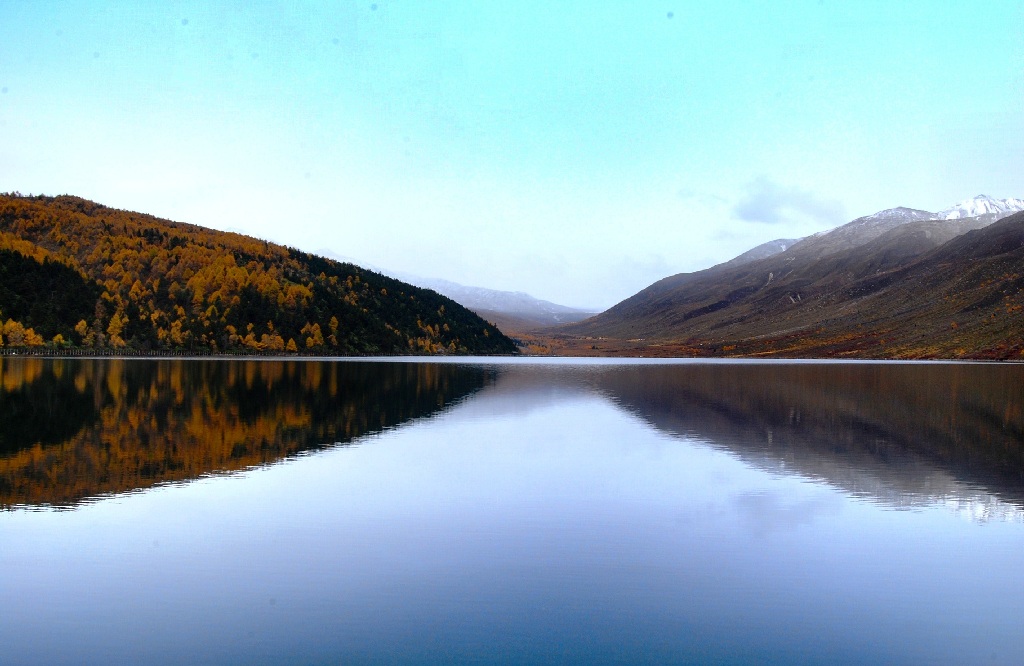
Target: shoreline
pixel 93 354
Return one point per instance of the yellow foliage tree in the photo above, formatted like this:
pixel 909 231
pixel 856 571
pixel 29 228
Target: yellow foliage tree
pixel 272 342
pixel 114 329
pixel 14 332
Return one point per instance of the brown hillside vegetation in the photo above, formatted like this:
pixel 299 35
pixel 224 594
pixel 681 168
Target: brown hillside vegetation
pixel 924 289
pixel 166 285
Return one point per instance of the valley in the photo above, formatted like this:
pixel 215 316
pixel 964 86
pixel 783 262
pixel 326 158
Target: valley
pixel 899 284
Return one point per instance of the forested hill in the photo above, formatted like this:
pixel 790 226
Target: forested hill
pixel 74 272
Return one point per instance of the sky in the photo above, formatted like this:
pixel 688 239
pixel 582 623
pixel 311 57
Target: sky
pixel 577 151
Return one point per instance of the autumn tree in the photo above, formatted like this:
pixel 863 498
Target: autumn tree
pixel 155 284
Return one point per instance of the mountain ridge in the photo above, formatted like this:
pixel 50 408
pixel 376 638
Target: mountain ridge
pixel 825 295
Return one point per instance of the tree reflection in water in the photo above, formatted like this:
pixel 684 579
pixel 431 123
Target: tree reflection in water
pixel 72 429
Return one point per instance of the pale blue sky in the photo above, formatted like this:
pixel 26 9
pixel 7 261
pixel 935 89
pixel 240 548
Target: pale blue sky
pixel 574 150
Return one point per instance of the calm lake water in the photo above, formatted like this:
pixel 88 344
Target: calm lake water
pixel 259 511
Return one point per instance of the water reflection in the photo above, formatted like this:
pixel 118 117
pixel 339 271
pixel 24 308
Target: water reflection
pixel 584 513
pixel 72 429
pixel 902 435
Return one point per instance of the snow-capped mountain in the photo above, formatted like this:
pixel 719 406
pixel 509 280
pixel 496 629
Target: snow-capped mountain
pixel 858 232
pixel 981 205
pixel 883 285
pixel 983 209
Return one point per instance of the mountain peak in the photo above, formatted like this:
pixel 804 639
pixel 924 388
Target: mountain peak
pixel 900 213
pixel 763 251
pixel 981 205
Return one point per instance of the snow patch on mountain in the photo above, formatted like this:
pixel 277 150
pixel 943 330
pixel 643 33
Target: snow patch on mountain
pixel 981 205
pixel 900 214
pixel 864 229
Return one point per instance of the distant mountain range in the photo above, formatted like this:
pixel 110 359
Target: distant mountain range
pixel 511 311
pixel 899 283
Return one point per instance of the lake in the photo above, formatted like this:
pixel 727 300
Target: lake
pixel 510 510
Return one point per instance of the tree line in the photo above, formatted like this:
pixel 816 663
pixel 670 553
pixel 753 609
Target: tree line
pixel 74 273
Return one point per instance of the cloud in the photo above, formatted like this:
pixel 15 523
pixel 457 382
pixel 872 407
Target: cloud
pixel 768 202
pixel 774 511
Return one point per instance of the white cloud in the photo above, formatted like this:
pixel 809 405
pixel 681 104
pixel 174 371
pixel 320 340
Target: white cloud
pixel 768 202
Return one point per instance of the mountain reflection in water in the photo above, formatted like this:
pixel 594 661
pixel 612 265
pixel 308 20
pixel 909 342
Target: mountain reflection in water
pixel 901 435
pixel 72 429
